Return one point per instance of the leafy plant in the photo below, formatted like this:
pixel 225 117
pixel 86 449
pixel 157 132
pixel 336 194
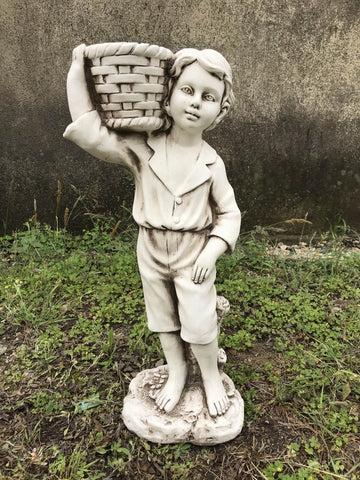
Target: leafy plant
pixel 73 333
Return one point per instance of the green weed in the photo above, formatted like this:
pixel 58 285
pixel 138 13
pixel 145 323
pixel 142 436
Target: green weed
pixel 73 333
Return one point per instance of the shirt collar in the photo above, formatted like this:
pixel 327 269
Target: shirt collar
pixel 198 176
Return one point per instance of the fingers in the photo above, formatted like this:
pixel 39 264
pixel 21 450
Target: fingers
pixel 199 274
pixel 78 52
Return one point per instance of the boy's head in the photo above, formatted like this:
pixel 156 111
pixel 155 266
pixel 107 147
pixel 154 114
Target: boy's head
pixel 211 61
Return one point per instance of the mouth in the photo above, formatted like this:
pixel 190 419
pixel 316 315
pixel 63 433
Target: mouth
pixel 192 115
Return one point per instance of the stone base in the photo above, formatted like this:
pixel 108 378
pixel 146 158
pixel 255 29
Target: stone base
pixel 189 422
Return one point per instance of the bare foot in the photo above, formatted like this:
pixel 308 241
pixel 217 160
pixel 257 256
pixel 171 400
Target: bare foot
pixel 216 397
pixel 169 396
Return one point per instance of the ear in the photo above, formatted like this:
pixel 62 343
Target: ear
pixel 167 108
pixel 223 112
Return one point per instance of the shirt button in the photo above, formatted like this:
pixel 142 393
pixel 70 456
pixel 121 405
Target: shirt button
pixel 178 200
pixel 176 219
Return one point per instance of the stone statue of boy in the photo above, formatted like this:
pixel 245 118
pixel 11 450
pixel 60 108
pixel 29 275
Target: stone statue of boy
pixel 184 206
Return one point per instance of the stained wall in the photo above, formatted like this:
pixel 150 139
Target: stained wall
pixel 291 144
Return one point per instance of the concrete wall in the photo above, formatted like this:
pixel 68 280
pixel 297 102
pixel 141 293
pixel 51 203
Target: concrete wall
pixel 291 145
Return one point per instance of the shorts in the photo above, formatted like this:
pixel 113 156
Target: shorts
pixel 173 302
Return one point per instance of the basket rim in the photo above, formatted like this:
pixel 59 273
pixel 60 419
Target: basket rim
pixel 127 48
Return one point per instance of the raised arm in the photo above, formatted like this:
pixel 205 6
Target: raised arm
pixel 77 92
pixel 87 130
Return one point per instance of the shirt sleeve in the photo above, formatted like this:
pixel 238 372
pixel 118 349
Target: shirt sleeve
pixel 227 216
pixel 92 136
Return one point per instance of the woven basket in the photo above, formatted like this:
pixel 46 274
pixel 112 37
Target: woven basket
pixel 129 83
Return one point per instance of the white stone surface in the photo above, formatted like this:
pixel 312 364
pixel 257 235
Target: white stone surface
pixel 189 422
pixel 188 217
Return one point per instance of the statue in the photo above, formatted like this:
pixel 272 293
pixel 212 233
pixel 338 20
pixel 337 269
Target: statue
pixel 187 217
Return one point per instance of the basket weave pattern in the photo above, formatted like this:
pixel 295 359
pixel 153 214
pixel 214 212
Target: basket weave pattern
pixel 129 80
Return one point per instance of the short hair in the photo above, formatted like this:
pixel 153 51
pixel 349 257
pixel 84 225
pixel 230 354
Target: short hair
pixel 211 61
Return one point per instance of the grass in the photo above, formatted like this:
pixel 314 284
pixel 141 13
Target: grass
pixel 73 334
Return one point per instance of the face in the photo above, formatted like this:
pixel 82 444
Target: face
pixel 196 99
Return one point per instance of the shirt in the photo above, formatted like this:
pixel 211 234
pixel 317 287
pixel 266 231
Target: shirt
pixel 205 200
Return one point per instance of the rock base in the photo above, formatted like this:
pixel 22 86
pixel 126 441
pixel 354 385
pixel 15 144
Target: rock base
pixel 189 422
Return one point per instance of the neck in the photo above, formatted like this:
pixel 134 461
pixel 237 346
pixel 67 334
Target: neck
pixel 184 138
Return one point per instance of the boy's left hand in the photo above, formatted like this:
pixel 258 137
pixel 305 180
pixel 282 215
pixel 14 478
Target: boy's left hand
pixel 203 265
pixel 207 259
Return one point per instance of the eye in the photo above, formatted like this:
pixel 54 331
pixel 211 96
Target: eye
pixel 209 98
pixel 187 90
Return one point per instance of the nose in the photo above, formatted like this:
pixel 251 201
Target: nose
pixel 196 101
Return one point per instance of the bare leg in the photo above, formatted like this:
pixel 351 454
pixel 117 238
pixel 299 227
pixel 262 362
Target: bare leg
pixel 216 397
pixel 173 348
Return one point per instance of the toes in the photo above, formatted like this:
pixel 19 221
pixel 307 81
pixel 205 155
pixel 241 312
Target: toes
pixel 165 404
pixel 158 400
pixel 169 406
pixel 213 410
pixel 219 407
pixel 161 402
pixel 154 393
pixel 223 405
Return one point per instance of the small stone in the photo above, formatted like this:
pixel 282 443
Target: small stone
pixel 335 310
